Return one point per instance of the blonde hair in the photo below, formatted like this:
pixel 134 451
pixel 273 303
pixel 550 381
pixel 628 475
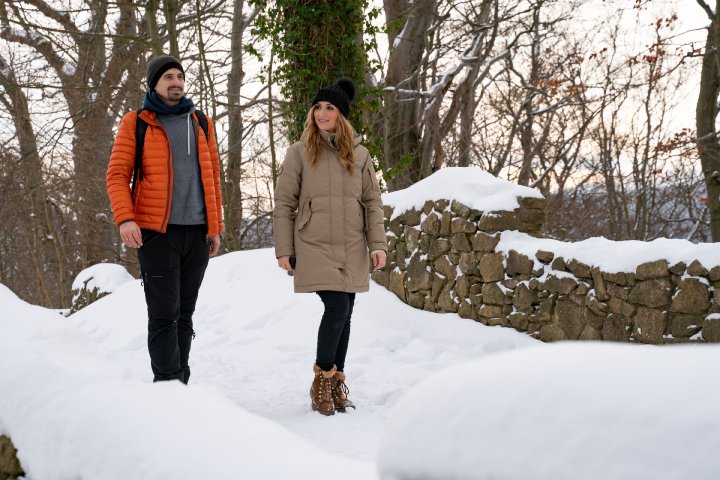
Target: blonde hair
pixel 344 135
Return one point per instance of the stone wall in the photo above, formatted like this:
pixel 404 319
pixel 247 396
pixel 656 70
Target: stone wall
pixel 9 464
pixel 444 258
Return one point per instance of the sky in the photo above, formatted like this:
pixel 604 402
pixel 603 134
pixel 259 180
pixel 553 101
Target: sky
pixel 438 396
pixel 688 29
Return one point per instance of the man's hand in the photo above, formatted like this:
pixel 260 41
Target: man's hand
pixel 214 245
pixel 130 234
pixel 378 259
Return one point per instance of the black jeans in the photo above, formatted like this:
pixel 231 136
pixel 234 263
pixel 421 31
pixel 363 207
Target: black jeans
pixel 334 331
pixel 173 266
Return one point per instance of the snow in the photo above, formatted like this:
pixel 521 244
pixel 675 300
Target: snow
pixel 472 187
pixel 438 396
pixel 78 401
pixel 106 277
pixel 613 256
pixel 74 414
pixel 564 411
pixel 400 36
pixel 68 69
pixel 18 32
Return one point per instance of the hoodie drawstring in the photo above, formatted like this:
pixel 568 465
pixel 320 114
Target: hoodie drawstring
pixel 188 133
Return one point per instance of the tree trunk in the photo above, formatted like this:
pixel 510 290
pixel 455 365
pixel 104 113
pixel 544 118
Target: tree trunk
pixel 706 114
pixel 402 110
pixel 232 193
pixel 172 9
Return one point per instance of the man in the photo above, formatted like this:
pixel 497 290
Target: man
pixel 173 214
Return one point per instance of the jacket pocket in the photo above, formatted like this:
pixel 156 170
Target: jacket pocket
pixel 304 215
pixel 364 215
pixel 138 190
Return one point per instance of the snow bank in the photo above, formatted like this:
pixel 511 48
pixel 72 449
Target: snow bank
pixel 472 187
pixel 564 411
pixel 73 414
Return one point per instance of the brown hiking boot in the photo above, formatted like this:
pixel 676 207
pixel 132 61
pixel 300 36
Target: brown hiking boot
pixel 340 392
pixel 321 391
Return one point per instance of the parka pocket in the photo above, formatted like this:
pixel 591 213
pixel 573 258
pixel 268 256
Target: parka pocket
pixel 304 215
pixel 372 178
pixel 364 215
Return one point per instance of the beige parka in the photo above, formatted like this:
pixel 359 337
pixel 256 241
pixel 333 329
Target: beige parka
pixel 328 219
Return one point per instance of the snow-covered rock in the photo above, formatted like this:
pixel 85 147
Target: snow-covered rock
pixel 97 281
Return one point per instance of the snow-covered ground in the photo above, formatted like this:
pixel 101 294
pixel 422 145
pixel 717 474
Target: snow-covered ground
pixel 78 401
pixel 439 397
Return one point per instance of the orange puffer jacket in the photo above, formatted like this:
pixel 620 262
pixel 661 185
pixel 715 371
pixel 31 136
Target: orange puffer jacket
pixel 153 195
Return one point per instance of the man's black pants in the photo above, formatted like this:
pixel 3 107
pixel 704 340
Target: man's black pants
pixel 334 331
pixel 172 265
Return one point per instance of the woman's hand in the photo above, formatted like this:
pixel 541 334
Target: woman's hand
pixel 378 259
pixel 284 263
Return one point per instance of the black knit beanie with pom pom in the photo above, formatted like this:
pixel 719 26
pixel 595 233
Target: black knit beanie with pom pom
pixel 340 94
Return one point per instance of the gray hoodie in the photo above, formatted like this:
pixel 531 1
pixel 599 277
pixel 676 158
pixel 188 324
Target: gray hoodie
pixel 188 201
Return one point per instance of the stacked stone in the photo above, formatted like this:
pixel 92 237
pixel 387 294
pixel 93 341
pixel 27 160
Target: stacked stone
pixel 443 259
pixel 657 303
pixel 435 254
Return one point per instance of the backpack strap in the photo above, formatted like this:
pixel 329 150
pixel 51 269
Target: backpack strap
pixel 140 129
pixel 203 122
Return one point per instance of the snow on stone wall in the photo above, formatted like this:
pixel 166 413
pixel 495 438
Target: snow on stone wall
pixel 491 267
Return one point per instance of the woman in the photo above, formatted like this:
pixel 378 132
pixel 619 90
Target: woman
pixel 328 216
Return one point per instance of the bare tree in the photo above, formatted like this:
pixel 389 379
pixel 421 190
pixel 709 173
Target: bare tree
pixel 29 226
pixel 83 61
pixel 408 37
pixel 706 117
pixel 89 66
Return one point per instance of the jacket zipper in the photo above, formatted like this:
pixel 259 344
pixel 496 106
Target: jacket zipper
pixel 196 128
pixel 166 216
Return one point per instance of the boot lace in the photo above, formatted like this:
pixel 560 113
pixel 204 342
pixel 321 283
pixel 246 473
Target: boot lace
pixel 341 390
pixel 326 387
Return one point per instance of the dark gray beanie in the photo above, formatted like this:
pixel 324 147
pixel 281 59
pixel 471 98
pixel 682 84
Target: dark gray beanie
pixel 159 65
pixel 340 94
